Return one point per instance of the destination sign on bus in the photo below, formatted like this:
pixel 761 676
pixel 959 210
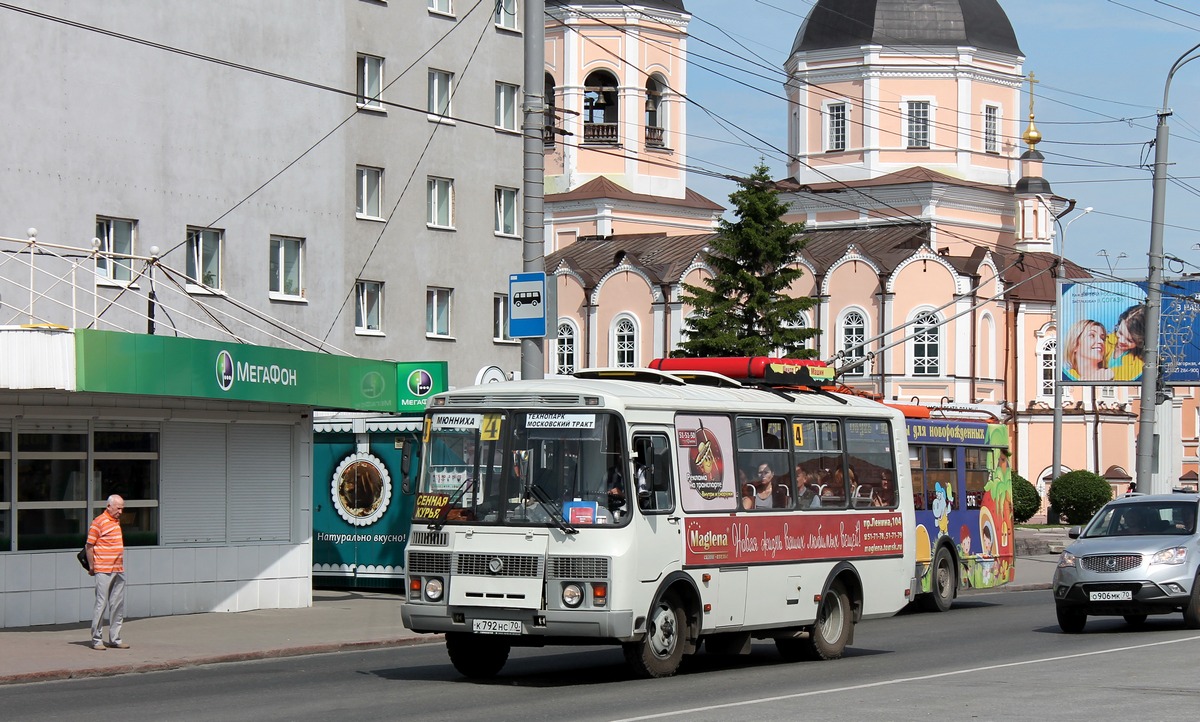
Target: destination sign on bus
pixel 456 422
pixel 793 537
pixel 560 421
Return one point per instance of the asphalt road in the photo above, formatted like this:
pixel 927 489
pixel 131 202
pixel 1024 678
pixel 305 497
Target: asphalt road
pixel 993 656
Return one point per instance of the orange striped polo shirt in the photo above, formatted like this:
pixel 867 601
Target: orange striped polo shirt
pixel 108 545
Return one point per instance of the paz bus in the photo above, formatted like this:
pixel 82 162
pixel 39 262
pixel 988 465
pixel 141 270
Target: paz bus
pixel 962 485
pixel 665 512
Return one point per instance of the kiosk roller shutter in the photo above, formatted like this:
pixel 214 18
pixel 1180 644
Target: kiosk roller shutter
pixel 193 483
pixel 260 483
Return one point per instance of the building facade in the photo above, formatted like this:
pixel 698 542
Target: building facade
pixel 335 179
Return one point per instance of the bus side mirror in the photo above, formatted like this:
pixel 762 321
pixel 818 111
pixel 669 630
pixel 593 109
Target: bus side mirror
pixel 405 465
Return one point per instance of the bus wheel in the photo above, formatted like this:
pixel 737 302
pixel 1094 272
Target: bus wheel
pixel 942 592
pixel 659 653
pixel 831 629
pixel 476 657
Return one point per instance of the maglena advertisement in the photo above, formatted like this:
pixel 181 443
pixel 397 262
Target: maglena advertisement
pixel 794 537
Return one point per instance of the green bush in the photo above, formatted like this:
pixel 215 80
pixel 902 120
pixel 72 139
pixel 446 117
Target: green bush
pixel 1078 495
pixel 1026 501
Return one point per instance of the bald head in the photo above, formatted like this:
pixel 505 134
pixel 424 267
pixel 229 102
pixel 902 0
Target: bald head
pixel 116 505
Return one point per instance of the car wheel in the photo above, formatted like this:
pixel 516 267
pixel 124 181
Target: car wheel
pixel 1191 613
pixel 476 657
pixel 659 653
pixel 941 593
pixel 1071 619
pixel 1135 620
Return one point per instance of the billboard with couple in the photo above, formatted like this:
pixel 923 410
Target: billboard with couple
pixel 1103 337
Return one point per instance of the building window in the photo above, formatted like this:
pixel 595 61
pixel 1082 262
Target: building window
pixel 565 360
pixel 800 322
pixel 440 192
pixel 600 108
pixel 368 307
pixel 836 114
pixel 506 14
pixel 506 106
pixel 625 346
pixel 370 82
pixel 655 114
pixel 1048 355
pixel 918 123
pixel 927 345
pixel 437 311
pixel 549 115
pixel 441 6
pixel 370 188
pixel 854 338
pixel 116 245
pixel 440 90
pixel 500 318
pixel 991 129
pixel 287 266
pixel 204 249
pixel 506 211
pixel 55 500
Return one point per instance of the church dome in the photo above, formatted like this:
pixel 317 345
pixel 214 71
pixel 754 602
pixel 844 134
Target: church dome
pixel 849 23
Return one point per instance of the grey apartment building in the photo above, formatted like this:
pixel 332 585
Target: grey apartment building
pixel 315 177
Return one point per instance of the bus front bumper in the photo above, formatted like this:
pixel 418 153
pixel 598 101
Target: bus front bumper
pixel 614 625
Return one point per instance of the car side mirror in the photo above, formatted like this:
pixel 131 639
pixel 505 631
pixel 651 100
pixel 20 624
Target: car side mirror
pixel 1074 532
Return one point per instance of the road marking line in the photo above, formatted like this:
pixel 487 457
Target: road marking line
pixel 906 680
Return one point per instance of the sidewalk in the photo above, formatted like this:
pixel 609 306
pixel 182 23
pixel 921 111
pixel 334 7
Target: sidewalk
pixel 338 620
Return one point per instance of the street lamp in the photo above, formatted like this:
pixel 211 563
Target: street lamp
pixel 1056 453
pixel 1146 439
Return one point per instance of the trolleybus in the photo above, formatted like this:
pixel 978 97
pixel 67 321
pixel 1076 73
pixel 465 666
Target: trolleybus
pixel 663 512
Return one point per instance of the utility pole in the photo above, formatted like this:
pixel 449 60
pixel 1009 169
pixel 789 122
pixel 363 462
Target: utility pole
pixel 1147 476
pixel 533 260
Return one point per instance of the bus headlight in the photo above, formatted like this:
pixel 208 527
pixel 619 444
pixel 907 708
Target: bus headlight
pixel 433 589
pixel 572 595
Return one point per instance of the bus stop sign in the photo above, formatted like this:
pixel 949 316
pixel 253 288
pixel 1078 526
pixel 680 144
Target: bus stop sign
pixel 527 305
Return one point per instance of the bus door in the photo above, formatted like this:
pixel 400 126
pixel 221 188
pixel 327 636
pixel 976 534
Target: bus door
pixel 659 529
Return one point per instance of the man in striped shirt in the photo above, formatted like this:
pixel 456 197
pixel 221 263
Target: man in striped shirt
pixel 106 562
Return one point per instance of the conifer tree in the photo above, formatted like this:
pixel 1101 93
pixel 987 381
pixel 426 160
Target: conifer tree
pixel 744 310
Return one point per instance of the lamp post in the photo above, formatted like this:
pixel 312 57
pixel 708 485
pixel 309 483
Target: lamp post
pixel 1147 441
pixel 1056 453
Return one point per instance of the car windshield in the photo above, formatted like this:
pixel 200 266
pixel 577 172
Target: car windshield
pixel 1144 518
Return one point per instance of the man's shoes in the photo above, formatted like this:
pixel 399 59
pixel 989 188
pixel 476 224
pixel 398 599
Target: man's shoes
pixel 98 646
pixel 118 645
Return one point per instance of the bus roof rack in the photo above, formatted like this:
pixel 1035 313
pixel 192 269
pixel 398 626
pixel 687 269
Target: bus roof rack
pixel 645 376
pixel 757 370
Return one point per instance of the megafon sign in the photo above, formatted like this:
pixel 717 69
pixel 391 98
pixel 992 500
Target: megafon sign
pixel 230 369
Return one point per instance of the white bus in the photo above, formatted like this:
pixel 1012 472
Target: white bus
pixel 663 512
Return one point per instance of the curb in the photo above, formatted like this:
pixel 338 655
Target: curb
pixel 52 675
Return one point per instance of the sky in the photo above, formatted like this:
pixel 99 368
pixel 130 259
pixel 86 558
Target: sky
pixel 1101 66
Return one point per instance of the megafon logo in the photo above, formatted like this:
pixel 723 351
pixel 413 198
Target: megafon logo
pixel 420 382
pixel 225 370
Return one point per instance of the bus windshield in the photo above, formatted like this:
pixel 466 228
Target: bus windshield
pixel 524 468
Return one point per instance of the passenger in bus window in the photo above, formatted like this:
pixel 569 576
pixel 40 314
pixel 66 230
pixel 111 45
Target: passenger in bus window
pixel 764 492
pixel 883 495
pixel 807 496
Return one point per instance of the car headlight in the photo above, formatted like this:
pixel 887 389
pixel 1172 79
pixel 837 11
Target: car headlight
pixel 1175 555
pixel 1066 560
pixel 433 589
pixel 572 595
